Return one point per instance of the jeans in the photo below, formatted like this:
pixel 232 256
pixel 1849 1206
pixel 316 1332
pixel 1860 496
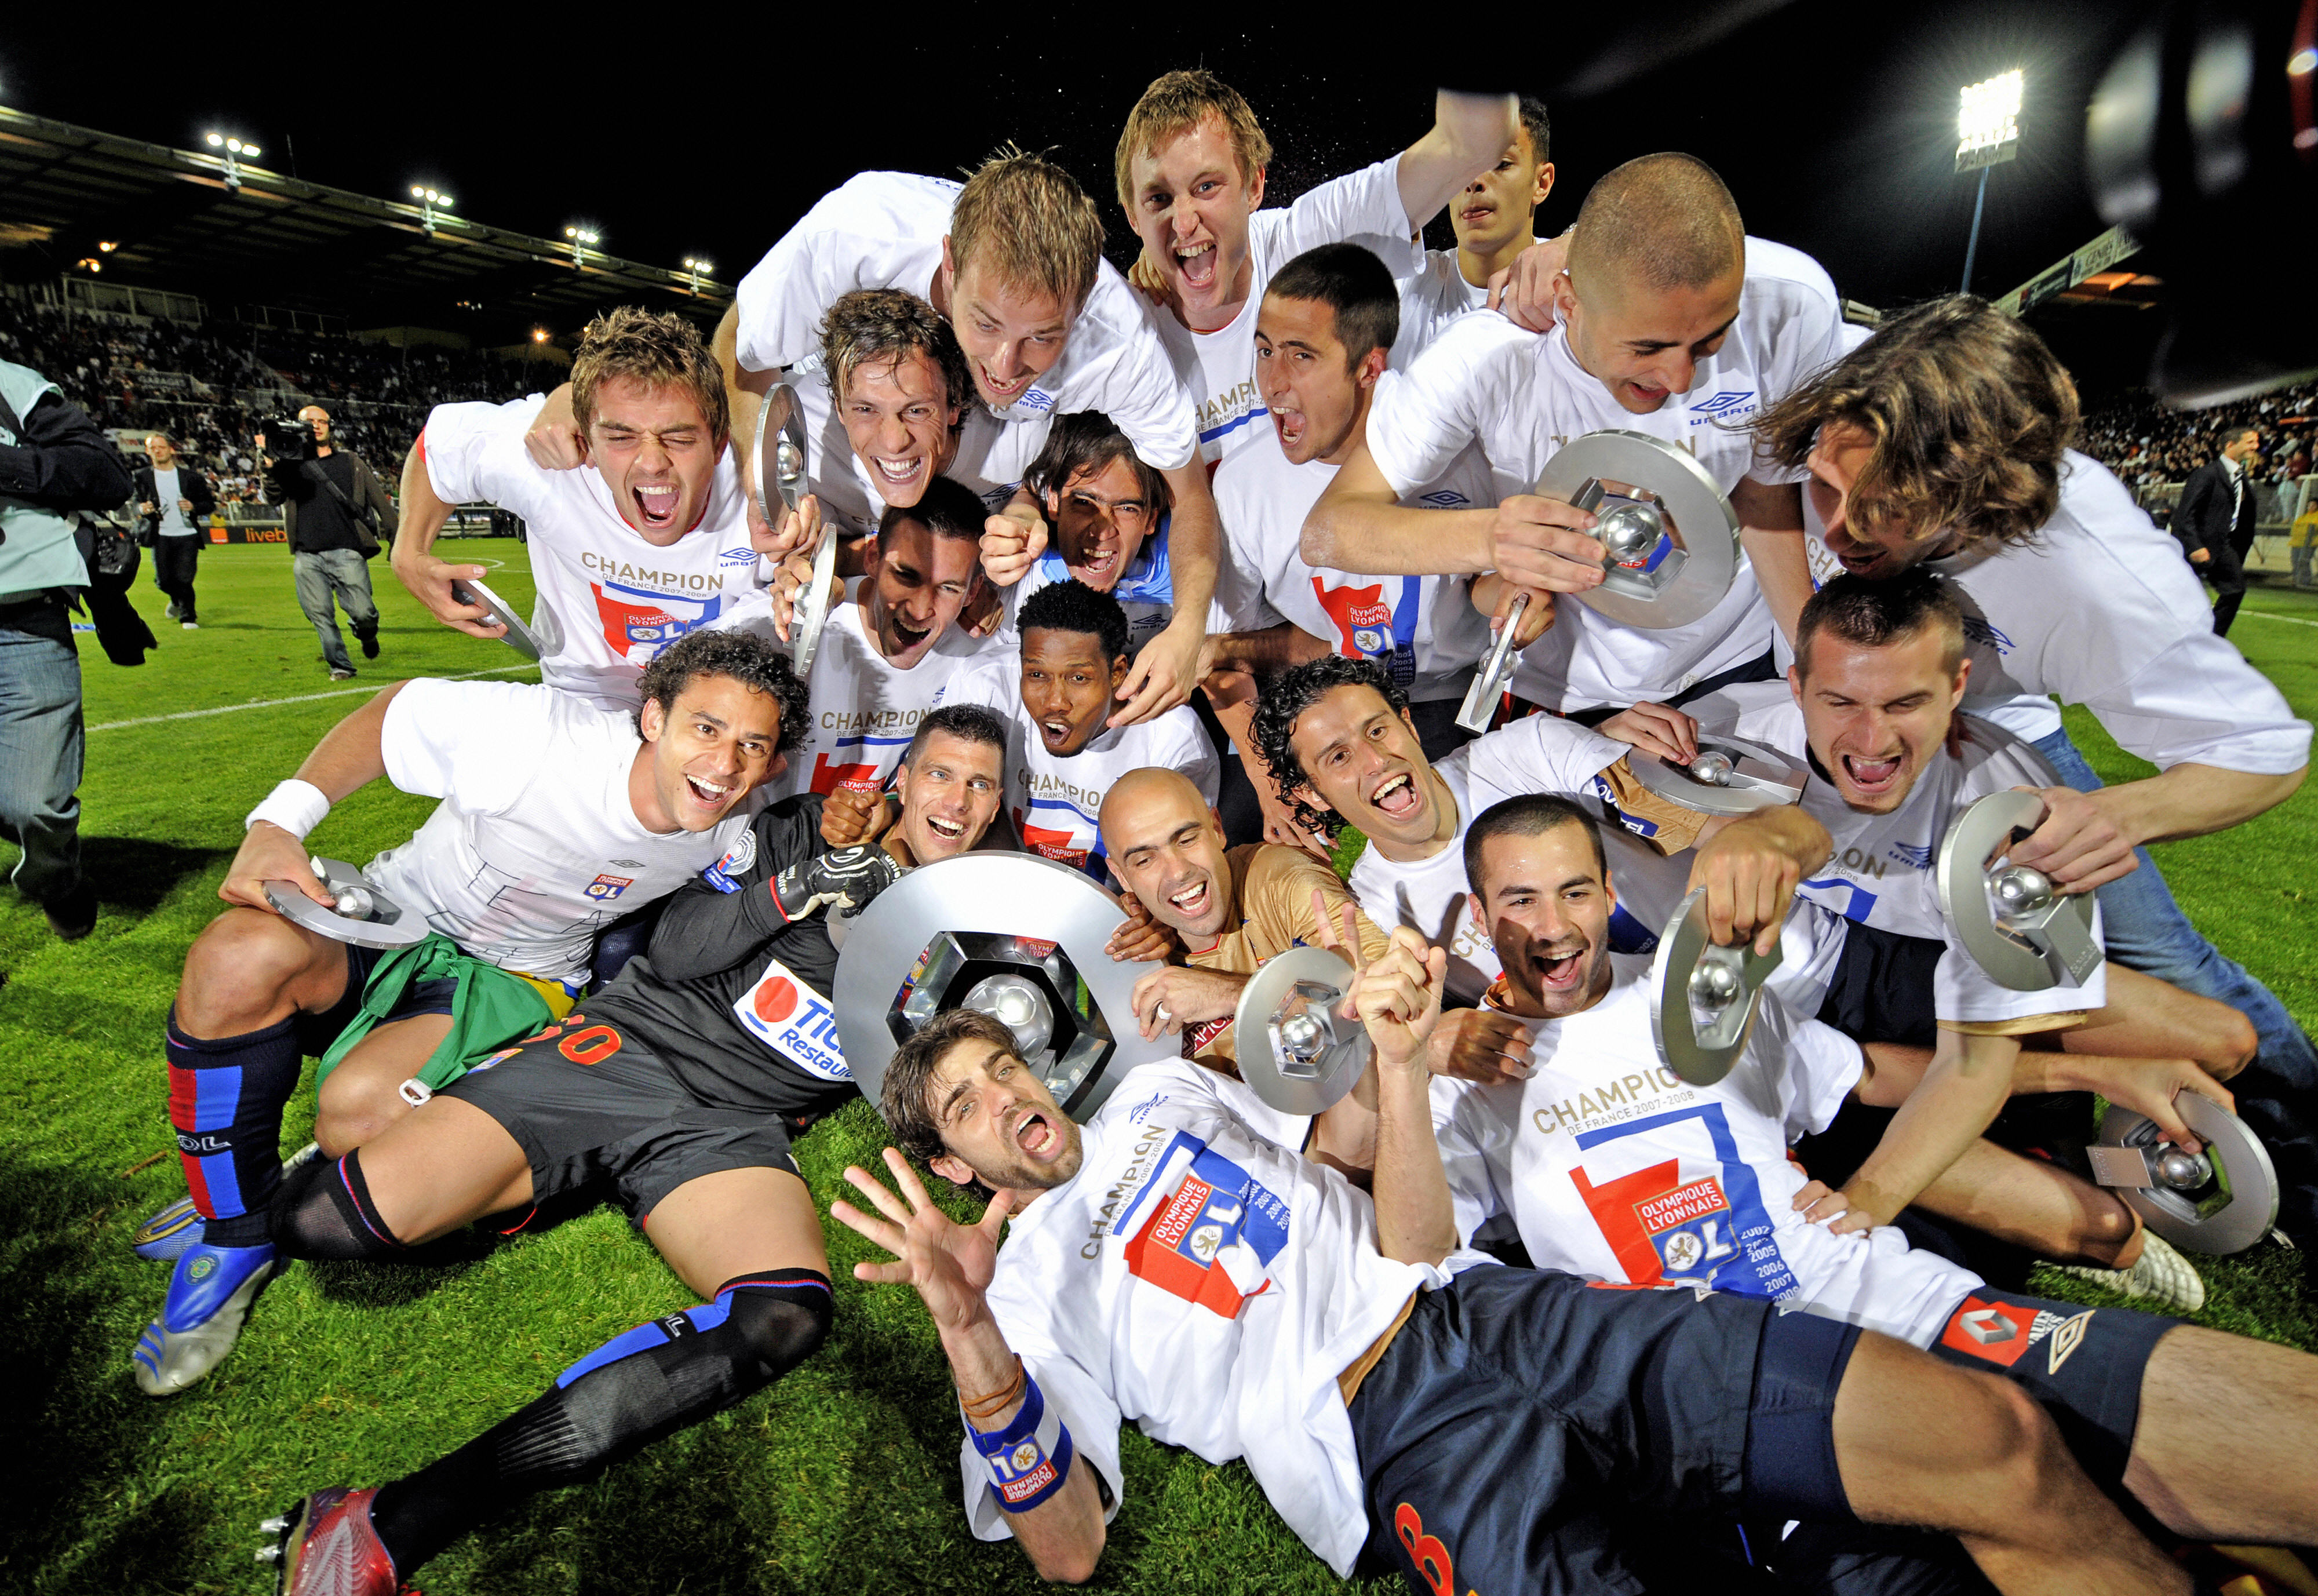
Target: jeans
pixel 40 746
pixel 343 574
pixel 2146 931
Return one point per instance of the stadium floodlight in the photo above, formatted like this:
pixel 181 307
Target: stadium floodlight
pixel 698 266
pixel 236 152
pixel 581 237
pixel 1988 131
pixel 430 200
pixel 539 335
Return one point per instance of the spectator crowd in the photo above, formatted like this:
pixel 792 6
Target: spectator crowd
pixel 2149 444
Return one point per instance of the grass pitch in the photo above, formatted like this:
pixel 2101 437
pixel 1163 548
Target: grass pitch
pixel 842 1477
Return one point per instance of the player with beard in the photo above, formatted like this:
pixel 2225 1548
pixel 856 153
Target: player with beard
pixel 682 1084
pixel 1673 322
pixel 640 540
pixel 1494 219
pixel 1056 699
pixel 556 817
pixel 1191 169
pixel 1013 261
pixel 1338 736
pixel 2070 593
pixel 888 652
pixel 1616 1170
pixel 1172 1266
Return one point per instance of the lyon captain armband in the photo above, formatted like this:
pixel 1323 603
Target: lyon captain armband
pixel 1029 1460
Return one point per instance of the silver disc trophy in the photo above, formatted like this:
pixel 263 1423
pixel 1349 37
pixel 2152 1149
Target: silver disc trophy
pixel 2017 926
pixel 366 915
pixel 781 455
pixel 535 640
pixel 1703 995
pixel 1019 937
pixel 1296 1052
pixel 1728 776
pixel 1669 536
pixel 2222 1199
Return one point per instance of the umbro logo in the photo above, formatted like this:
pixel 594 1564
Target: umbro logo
pixel 1721 402
pixel 1919 857
pixel 1039 399
pixel 1443 498
pixel 737 557
pixel 629 864
pixel 1977 629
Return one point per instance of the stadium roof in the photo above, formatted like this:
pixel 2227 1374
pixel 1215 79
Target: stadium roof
pixel 156 217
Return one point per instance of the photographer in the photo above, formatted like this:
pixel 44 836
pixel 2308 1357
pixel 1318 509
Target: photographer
pixel 175 501
pixel 335 513
pixel 53 461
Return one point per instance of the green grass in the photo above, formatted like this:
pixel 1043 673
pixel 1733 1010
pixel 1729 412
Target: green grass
pixel 842 1477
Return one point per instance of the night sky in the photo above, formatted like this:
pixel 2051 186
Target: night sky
pixel 1833 124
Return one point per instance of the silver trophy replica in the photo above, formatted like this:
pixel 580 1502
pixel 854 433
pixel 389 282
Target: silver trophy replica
pixel 2018 926
pixel 2222 1199
pixel 1728 776
pixel 537 640
pixel 1018 937
pixel 365 914
pixel 781 472
pixel 1703 995
pixel 1296 1051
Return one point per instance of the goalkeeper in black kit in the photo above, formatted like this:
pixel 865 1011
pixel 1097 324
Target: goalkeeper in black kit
pixel 681 1085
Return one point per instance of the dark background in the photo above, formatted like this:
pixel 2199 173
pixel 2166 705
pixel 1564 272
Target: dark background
pixel 1833 124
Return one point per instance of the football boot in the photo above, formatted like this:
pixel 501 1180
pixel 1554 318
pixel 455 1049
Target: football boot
pixel 326 1547
pixel 165 1234
pixel 210 1294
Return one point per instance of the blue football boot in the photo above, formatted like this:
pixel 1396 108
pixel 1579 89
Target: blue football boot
pixel 165 1235
pixel 210 1294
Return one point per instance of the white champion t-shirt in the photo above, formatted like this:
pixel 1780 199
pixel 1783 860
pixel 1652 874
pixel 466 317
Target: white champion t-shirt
pixel 536 846
pixel 885 229
pixel 1522 396
pixel 1055 802
pixel 1615 1168
pixel 1535 754
pixel 862 710
pixel 2100 609
pixel 1422 630
pixel 1436 295
pixel 1219 368
pixel 990 457
pixel 617 600
pixel 1202 1282
pixel 1884 870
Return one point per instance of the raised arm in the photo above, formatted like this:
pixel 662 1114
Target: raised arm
pixel 1399 998
pixel 415 566
pixel 950 1266
pixel 1168 667
pixel 1469 133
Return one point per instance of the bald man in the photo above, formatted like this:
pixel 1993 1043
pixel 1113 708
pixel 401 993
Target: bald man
pixel 1669 321
pixel 1234 908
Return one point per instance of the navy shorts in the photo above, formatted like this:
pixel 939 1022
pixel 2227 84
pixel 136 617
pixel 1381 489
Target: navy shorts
pixel 2084 1366
pixel 316 1032
pixel 1520 1417
pixel 588 1103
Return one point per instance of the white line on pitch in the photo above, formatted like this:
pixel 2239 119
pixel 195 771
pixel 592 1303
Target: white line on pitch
pixel 2289 620
pixel 196 714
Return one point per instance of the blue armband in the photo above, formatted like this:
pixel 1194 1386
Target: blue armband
pixel 1029 1460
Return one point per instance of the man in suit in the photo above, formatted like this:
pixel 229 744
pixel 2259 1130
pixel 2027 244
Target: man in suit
pixel 175 501
pixel 2213 523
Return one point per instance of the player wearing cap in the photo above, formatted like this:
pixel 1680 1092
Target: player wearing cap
pixel 887 651
pixel 1173 1265
pixel 557 817
pixel 1673 323
pixel 2071 593
pixel 682 1083
pixel 1054 698
pixel 1190 170
pixel 1013 261
pixel 1494 219
pixel 642 541
pixel 1617 1170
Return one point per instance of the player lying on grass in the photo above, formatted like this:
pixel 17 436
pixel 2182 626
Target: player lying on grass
pixel 636 529
pixel 1062 755
pixel 1871 703
pixel 1475 1426
pixel 682 1084
pixel 1013 260
pixel 1616 1170
pixel 556 818
pixel 1944 440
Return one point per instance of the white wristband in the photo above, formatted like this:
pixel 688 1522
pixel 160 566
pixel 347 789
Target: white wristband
pixel 295 806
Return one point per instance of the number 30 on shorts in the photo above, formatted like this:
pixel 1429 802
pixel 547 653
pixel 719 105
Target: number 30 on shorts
pixel 591 1046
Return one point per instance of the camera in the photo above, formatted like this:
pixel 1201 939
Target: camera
pixel 291 439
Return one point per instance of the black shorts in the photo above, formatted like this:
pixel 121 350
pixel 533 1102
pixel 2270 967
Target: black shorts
pixel 587 1103
pixel 1520 1416
pixel 2084 1366
pixel 316 1032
